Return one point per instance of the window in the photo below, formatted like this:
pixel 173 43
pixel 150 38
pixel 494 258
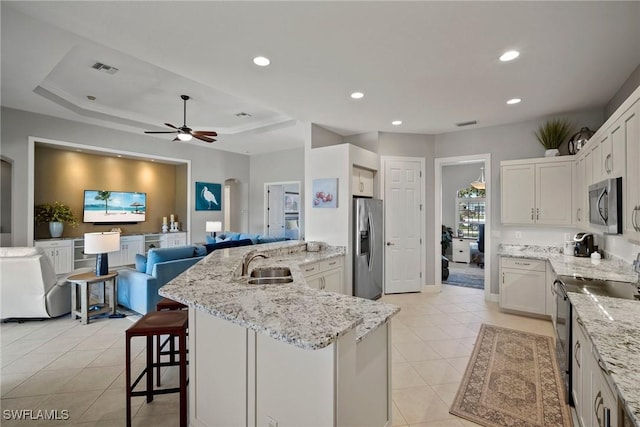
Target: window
pixel 470 211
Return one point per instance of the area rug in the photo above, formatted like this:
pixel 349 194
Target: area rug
pixel 512 379
pixel 465 280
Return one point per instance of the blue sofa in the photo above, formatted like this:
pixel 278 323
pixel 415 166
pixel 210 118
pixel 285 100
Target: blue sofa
pixel 138 289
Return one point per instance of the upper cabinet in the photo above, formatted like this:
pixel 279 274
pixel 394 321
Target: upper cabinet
pixel 537 191
pixel 631 203
pixel 362 182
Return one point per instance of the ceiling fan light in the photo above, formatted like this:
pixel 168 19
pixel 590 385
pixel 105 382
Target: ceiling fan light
pixel 184 137
pixel 479 184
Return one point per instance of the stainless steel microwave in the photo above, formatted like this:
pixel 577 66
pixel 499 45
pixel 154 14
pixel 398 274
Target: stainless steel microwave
pixel 605 205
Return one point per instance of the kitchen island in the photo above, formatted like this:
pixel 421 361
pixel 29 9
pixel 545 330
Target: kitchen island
pixel 282 354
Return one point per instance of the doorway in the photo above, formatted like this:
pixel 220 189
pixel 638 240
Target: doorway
pixel 282 209
pixel 454 212
pixel 5 202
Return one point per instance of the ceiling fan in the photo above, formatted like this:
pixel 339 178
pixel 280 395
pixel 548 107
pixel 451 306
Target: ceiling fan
pixel 185 133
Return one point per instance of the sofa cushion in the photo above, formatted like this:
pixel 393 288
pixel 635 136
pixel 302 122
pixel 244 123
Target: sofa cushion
pixel 232 235
pixel 271 239
pixel 141 263
pixel 199 250
pixel 253 237
pixel 157 255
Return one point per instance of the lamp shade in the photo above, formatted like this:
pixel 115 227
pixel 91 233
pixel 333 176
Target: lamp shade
pixel 101 243
pixel 212 226
pixel 479 184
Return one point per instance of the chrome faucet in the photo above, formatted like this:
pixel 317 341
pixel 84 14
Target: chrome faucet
pixel 247 258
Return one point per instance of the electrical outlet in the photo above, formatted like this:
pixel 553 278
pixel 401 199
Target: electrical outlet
pixel 518 234
pixel 271 422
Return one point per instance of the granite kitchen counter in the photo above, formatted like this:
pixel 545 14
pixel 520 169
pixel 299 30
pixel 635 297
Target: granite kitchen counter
pixel 291 312
pixel 613 325
pixel 568 265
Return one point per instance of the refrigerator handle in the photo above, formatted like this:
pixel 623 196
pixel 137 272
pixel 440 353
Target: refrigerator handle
pixel 372 240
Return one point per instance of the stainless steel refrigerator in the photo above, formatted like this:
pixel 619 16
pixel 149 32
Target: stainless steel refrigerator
pixel 368 237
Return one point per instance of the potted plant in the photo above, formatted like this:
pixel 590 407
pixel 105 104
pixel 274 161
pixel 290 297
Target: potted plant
pixel 56 215
pixel 552 134
pixel 447 238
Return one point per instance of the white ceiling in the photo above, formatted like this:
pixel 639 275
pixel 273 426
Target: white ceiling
pixel 429 64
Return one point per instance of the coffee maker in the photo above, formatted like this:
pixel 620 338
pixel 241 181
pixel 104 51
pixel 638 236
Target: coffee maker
pixel 584 244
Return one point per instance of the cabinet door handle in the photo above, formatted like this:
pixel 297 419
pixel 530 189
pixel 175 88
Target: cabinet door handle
pixel 522 263
pixel 333 263
pixel 576 350
pixel 503 278
pixel 601 365
pixel 606 163
pixel 361 187
pixel 532 212
pixel 537 213
pixel 633 218
pixel 578 214
pixel 323 284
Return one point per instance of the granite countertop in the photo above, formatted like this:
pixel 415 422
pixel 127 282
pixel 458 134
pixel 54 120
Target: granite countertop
pixel 613 326
pixel 291 312
pixel 568 265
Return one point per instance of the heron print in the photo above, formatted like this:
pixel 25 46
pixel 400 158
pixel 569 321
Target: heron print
pixel 208 196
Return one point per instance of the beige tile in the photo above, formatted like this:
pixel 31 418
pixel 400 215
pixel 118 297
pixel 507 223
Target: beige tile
pixel 442 423
pixel 162 404
pixel 396 417
pixel 60 343
pixel 404 336
pixel 74 359
pixel 420 404
pixel 396 356
pixel 111 406
pixel 109 357
pixel 99 378
pixel 414 351
pixel 16 417
pixel 430 333
pixel 452 348
pixel 10 381
pixel 437 372
pixel 31 362
pixel 75 403
pixel 447 391
pixel 459 363
pixel 458 331
pixel 100 340
pixel 167 420
pixel 43 382
pixel 404 375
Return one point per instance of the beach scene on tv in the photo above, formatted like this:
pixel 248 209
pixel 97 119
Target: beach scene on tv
pixel 114 206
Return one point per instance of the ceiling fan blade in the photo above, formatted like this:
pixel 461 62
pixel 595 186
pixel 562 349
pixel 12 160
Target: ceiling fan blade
pixel 168 131
pixel 204 132
pixel 175 139
pixel 170 125
pixel 203 138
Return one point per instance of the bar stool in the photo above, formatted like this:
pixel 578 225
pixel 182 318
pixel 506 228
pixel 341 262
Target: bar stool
pixel 163 305
pixel 157 323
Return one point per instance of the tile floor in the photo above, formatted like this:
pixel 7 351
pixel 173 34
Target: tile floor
pixel 61 364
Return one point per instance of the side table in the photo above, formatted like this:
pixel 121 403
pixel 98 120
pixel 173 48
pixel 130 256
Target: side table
pixel 83 280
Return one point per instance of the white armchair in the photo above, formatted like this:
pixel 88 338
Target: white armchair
pixel 29 286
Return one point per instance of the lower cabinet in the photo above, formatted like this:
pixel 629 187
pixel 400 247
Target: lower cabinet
pixel 595 402
pixel 327 275
pixel 60 252
pixel 170 240
pixel 461 250
pixel 523 285
pixel 129 247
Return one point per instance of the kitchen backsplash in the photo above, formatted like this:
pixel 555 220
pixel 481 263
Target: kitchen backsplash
pixel 621 247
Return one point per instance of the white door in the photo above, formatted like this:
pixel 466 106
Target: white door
pixel 275 210
pixel 403 226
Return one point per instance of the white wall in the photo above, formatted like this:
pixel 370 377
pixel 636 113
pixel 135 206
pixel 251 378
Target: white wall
pixel 207 164
pixel 280 166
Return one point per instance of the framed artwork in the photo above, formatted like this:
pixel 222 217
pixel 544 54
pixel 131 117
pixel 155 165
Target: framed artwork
pixel 325 193
pixel 208 196
pixel 291 202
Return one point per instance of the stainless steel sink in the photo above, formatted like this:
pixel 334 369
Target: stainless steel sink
pixel 270 280
pixel 270 272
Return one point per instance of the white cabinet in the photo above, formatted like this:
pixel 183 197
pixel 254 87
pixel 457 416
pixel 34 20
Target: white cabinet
pixel 170 240
pixel 581 212
pixel 327 275
pixel 631 123
pixel 461 250
pixel 60 252
pixel 593 398
pixel 523 285
pixel 537 191
pixel 129 247
pixel 362 182
pixel 613 151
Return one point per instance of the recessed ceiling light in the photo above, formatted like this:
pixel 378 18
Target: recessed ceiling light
pixel 261 61
pixel 396 122
pixel 509 55
pixel 119 155
pixel 514 101
pixel 357 95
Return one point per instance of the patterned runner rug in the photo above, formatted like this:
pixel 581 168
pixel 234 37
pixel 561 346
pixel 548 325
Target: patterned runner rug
pixel 512 379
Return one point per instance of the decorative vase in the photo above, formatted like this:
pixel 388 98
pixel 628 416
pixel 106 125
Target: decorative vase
pixel 56 228
pixel 553 152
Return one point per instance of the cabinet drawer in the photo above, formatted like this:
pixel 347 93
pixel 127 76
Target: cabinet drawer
pixel 331 263
pixel 524 264
pixel 310 269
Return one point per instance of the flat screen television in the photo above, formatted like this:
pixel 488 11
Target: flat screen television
pixel 114 206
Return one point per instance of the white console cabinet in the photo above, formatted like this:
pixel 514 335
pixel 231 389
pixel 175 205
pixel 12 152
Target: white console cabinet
pixel 169 240
pixel 60 252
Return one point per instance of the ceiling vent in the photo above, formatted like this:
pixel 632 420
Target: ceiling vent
pixel 104 67
pixel 469 123
pixel 243 115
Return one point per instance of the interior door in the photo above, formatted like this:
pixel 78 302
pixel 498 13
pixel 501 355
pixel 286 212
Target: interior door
pixel 275 210
pixel 403 226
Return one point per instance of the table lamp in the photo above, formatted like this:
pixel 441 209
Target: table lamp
pixel 100 244
pixel 213 227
